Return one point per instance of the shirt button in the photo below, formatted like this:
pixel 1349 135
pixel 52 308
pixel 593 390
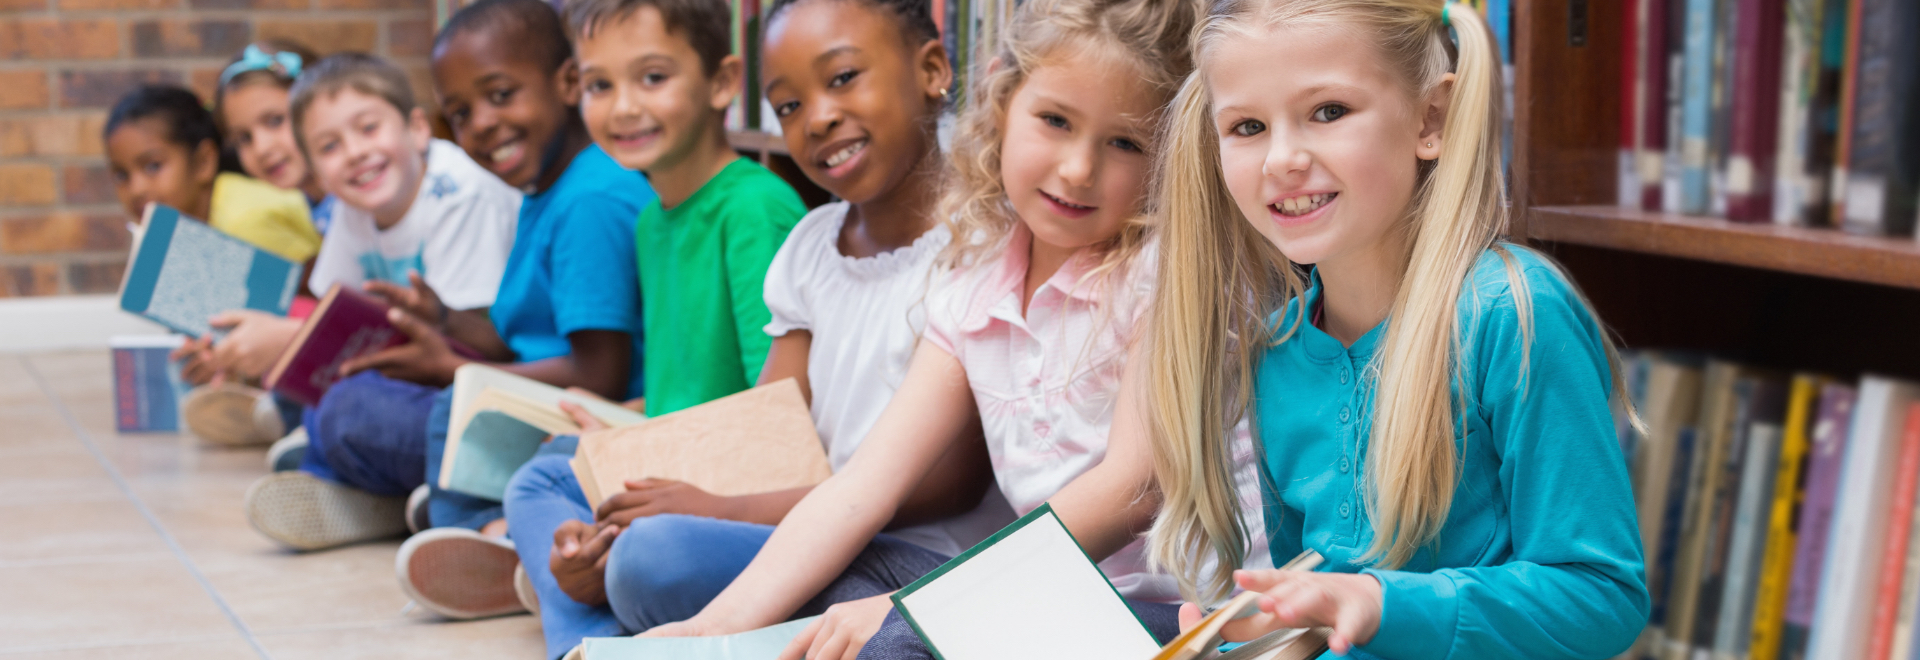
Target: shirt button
pixel 1344 413
pixel 1343 464
pixel 1345 510
pixel 1343 375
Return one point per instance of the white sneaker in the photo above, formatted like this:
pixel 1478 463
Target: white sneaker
pixel 287 453
pixel 231 414
pixel 419 519
pixel 523 587
pixel 459 573
pixel 305 512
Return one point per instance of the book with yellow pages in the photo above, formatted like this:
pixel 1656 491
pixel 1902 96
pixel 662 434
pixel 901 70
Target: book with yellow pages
pixel 757 441
pixel 1030 592
pixel 498 421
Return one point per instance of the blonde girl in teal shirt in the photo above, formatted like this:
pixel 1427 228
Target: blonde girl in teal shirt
pixel 1431 402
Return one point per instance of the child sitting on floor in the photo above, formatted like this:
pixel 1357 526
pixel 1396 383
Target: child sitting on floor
pixel 411 207
pixel 845 294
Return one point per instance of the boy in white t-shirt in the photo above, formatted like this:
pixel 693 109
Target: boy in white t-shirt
pixel 410 206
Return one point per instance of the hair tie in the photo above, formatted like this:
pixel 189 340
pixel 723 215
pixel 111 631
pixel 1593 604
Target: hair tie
pixel 284 63
pixel 1445 18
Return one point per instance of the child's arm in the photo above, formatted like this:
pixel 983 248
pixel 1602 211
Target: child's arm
pixel 1113 503
pixel 823 533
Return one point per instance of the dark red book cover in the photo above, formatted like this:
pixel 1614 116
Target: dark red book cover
pixel 347 324
pixel 1756 109
pixel 1660 47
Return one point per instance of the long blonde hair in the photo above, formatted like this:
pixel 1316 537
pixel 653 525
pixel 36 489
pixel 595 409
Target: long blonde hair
pixel 1220 280
pixel 1150 35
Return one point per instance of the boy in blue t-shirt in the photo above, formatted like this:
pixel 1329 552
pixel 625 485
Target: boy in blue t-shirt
pixel 568 308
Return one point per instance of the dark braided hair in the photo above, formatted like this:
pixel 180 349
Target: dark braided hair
pixel 915 16
pixel 532 26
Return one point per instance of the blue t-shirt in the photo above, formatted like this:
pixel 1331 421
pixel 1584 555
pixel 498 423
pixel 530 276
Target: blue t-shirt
pixel 572 265
pixel 1540 554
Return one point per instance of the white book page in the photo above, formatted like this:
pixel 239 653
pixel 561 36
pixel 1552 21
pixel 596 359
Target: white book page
pixel 1033 594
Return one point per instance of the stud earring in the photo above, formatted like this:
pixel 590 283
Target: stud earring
pixel 1429 145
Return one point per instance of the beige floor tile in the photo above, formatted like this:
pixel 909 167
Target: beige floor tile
pixel 33 426
pixel 54 475
pixel 234 648
pixel 514 637
pixel 69 532
pixel 104 602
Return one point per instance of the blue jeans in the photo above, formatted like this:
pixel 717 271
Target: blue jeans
pixel 897 641
pixel 446 508
pixel 369 432
pixel 666 568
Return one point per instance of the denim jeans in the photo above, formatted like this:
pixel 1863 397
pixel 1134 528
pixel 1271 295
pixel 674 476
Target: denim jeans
pixel 897 641
pixel 666 568
pixel 446 508
pixel 369 432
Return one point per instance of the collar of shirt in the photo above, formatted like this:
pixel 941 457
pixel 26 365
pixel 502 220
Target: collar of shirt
pixel 998 292
pixel 1316 343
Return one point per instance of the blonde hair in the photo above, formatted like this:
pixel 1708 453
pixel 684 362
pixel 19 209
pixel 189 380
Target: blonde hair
pixel 1151 35
pixel 1220 279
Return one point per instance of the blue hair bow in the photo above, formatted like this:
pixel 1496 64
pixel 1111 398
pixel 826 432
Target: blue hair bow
pixel 253 59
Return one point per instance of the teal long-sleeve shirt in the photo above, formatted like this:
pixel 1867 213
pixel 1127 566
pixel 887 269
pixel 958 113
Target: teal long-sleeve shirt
pixel 1540 555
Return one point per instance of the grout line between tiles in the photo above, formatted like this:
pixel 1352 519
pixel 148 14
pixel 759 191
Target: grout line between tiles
pixel 120 482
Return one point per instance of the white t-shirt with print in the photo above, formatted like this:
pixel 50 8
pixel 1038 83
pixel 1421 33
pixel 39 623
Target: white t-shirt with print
pixel 865 316
pixel 456 235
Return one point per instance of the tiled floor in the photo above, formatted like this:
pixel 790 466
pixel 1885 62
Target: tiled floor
pixel 134 546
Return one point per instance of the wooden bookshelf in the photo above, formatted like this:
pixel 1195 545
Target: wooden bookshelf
pixel 1819 252
pixel 771 151
pixel 757 142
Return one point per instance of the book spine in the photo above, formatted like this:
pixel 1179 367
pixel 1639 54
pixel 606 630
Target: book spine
pixel 1652 135
pixel 1849 68
pixel 1755 110
pixel 1734 635
pixel 1783 523
pixel 1696 106
pixel 1662 587
pixel 1823 112
pixel 1824 464
pixel 1893 560
pixel 126 391
pixel 1910 587
pixel 1731 431
pixel 1632 80
pixel 1843 618
pixel 1870 148
pixel 1800 42
pixel 1720 126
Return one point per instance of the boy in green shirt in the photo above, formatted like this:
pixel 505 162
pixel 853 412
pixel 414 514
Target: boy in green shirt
pixel 655 90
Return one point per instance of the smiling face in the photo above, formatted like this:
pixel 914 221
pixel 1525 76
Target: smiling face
pixel 261 132
pixel 367 153
pixel 853 99
pixel 148 167
pixel 1072 153
pixel 645 98
pixel 505 111
pixel 1321 155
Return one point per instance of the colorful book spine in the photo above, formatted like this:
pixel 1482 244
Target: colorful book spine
pixel 1783 521
pixel 1685 613
pixel 1696 113
pixel 1799 75
pixel 1843 618
pixel 1662 588
pixel 1720 126
pixel 1632 81
pixel 1756 94
pixel 1828 454
pixel 1893 561
pixel 1848 71
pixel 1883 158
pixel 1655 62
pixel 1733 636
pixel 1730 435
pixel 1823 114
pixel 147 387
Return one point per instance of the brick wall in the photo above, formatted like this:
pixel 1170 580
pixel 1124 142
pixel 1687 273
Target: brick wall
pixel 64 62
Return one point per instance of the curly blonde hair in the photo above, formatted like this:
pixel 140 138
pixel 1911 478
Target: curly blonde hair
pixel 1151 35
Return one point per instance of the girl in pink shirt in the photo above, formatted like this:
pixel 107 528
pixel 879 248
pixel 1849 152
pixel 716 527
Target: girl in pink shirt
pixel 1052 263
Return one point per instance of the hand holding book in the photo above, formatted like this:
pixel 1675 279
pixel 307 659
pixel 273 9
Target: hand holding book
pixel 427 359
pixel 1346 602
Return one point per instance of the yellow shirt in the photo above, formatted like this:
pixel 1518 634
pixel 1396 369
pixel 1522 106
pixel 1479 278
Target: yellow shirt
pixel 271 218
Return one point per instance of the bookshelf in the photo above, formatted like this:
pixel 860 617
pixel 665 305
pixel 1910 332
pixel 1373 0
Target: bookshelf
pixel 1768 295
pixel 771 152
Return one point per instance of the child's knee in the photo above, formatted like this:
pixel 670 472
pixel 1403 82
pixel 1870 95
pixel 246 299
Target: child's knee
pixel 543 476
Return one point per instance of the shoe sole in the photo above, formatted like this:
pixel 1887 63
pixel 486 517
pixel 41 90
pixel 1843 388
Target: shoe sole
pixel 523 588
pixel 224 416
pixel 286 454
pixel 305 513
pixel 459 576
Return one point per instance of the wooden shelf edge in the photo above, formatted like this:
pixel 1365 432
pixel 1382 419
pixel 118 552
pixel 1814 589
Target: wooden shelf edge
pixel 759 142
pixel 1818 252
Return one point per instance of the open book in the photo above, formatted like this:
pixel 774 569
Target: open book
pixel 182 272
pixel 498 421
pixel 758 441
pixel 1030 592
pixel 763 644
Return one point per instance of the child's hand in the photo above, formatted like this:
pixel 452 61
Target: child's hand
pixel 841 632
pixel 652 497
pixel 579 560
pixel 1348 603
pixel 585 420
pixel 426 360
pixel 196 361
pixel 253 343
pixel 419 300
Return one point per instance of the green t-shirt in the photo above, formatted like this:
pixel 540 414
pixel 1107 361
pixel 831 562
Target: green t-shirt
pixel 702 265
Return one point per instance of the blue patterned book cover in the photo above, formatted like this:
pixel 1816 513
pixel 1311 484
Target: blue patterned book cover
pixel 1696 107
pixel 183 271
pixel 147 387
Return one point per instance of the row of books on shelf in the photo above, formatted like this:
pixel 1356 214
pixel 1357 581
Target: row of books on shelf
pixel 1776 510
pixel 1798 112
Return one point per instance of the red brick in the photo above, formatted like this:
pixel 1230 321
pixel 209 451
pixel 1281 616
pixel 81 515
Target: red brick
pixel 247 4
pixel 51 39
pixel 42 279
pixel 87 184
pixel 324 37
pixel 23 89
pixel 68 134
pixel 99 89
pixel 116 5
pixel 408 37
pixel 96 277
pixel 189 38
pixel 23 5
pixel 64 232
pixel 205 82
pixel 26 184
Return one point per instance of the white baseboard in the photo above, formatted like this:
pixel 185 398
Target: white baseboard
pixel 66 322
